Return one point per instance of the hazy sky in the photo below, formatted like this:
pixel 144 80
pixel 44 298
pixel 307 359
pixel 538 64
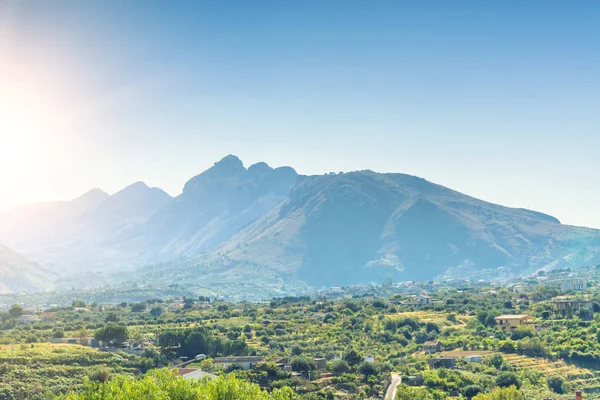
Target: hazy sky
pixel 497 99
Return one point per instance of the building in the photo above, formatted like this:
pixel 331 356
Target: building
pixel 441 362
pixel 564 305
pixel 514 321
pixel 419 302
pixel 244 362
pixel 432 346
pixel 415 380
pixel 26 319
pixel 88 341
pixel 49 317
pixel 370 359
pixel 473 358
pixel 321 364
pixel 572 285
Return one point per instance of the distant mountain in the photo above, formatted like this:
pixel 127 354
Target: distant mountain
pixel 216 204
pixel 363 226
pixel 29 224
pixel 18 274
pixel 263 230
pixel 82 233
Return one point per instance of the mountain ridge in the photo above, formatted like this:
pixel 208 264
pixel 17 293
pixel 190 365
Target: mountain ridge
pixel 274 226
pixel 18 274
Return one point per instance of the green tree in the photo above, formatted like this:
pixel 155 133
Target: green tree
pixel 112 333
pixel 303 364
pixel 156 311
pixel 510 393
pixel 368 369
pixel 352 357
pixel 508 379
pixel 557 384
pixel 165 384
pixel 138 307
pixel 472 391
pixel 338 367
pixel 411 393
pixel 16 311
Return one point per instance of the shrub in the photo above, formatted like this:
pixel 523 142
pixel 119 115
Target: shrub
pixel 508 379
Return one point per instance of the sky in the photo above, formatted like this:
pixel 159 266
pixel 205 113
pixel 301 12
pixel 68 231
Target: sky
pixel 497 99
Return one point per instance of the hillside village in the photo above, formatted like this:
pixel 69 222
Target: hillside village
pixel 444 339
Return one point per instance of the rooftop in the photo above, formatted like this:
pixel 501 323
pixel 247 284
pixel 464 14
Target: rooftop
pixel 238 359
pixel 520 316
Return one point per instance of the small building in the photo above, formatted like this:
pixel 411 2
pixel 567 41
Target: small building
pixel 419 302
pixel 415 380
pixel 514 321
pixel 473 358
pixel 370 359
pixel 432 346
pixel 321 364
pixel 441 362
pixel 244 362
pixel 26 319
pixel 563 305
pixel 572 285
pixel 49 317
pixel 88 341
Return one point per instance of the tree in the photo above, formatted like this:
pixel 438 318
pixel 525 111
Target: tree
pixel 188 303
pixel 411 393
pixel 16 311
pixel 112 317
pixel 472 391
pixel 557 384
pixel 296 350
pixel 138 307
pixel 508 379
pixel 82 334
pixel 352 357
pixel 510 393
pixel 165 384
pixel 303 364
pixel 112 333
pixel 339 367
pixel 156 311
pixel 368 369
pixel 79 304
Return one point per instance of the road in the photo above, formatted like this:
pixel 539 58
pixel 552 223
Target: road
pixel 395 381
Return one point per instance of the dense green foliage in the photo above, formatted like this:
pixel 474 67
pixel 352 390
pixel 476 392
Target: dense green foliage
pixel 164 385
pixel 295 334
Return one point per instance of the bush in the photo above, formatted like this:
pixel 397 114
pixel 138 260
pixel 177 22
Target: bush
pixel 557 384
pixel 508 379
pixel 338 367
pixel 368 369
pixel 472 391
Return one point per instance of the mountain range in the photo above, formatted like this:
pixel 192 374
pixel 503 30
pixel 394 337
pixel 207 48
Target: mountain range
pixel 18 274
pixel 271 230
